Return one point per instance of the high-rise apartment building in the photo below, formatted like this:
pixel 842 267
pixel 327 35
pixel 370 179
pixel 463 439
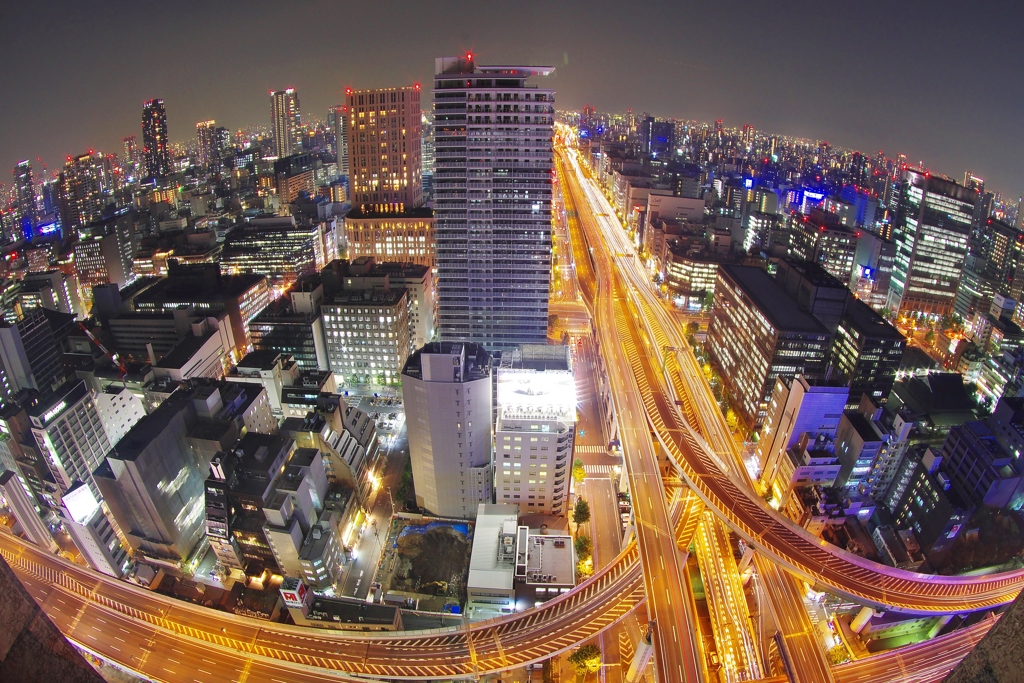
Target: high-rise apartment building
pixel 286 122
pixel 337 119
pixel 207 144
pixel 448 407
pixel 758 333
pixel 69 433
pixel 535 429
pixel 933 225
pixel 385 162
pixel 492 202
pixel 154 139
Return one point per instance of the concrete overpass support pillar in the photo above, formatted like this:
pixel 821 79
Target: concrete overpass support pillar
pixel 641 658
pixel 748 557
pixel 939 624
pixel 862 619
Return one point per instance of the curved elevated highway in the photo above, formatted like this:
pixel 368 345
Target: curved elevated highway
pixel 735 503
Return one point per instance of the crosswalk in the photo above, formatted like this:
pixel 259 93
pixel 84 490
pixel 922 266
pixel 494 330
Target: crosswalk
pixel 598 469
pixel 591 449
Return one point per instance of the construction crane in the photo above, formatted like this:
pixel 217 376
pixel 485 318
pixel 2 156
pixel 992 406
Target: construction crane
pixel 114 358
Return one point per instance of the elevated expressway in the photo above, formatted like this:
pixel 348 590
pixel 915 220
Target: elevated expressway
pixel 708 474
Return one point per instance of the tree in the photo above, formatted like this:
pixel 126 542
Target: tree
pixel 552 320
pixel 709 301
pixel 581 511
pixel 578 472
pixel 693 327
pixel 586 659
pixel 584 547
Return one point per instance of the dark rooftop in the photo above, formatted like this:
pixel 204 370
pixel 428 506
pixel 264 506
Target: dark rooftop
pixel 867 321
pixel 772 300
pixel 183 351
pixel 478 360
pixel 263 360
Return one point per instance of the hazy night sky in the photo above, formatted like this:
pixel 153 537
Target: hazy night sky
pixel 938 81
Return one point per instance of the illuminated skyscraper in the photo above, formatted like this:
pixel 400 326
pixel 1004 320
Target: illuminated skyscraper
pixel 933 225
pixel 207 142
pixel 85 187
pixel 493 207
pixel 154 139
pixel 385 162
pixel 337 119
pixel 285 119
pixel 132 160
pixel 25 194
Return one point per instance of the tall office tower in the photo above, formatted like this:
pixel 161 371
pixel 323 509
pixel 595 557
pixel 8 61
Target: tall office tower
pixel 154 139
pixel 493 211
pixel 448 406
pixel 933 225
pixel 207 142
pixel 131 160
pixel 385 164
pixel 535 429
pixel 25 194
pixel 285 121
pixel 337 119
pixel 86 184
pixel 70 435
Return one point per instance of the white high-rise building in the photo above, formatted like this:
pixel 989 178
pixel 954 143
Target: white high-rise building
pixel 535 427
pixel 70 435
pixel 448 409
pixel 492 202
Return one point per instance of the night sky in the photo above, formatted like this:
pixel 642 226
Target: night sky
pixel 938 81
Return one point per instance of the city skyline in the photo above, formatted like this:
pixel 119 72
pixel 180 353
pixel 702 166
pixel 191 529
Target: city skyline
pixel 859 94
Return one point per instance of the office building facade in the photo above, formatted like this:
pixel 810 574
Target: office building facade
pixel 933 225
pixel 406 237
pixel 492 202
pixel 367 333
pixel 867 352
pixel 758 333
pixel 69 434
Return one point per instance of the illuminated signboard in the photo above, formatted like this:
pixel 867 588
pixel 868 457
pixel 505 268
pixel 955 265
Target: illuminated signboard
pixel 54 411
